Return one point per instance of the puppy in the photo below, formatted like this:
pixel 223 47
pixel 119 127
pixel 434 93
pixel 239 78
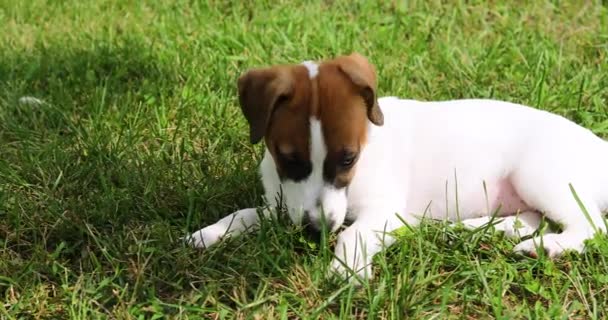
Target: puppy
pixel 334 151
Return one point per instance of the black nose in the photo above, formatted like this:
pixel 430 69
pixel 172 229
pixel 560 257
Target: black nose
pixel 329 225
pixel 312 233
pixel 313 229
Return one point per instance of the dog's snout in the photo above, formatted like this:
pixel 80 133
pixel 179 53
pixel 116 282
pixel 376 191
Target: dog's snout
pixel 316 226
pixel 312 233
pixel 306 218
pixel 315 230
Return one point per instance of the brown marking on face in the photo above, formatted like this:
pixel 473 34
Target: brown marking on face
pixel 278 102
pixel 343 116
pixel 348 100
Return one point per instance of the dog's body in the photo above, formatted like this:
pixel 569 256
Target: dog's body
pixel 461 160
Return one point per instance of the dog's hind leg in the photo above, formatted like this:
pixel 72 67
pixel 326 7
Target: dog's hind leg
pixel 515 226
pixel 557 202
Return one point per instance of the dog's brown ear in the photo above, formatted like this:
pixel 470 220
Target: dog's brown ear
pixel 362 74
pixel 260 90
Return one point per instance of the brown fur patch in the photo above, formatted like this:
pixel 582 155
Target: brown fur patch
pixel 343 116
pixel 279 102
pixel 288 138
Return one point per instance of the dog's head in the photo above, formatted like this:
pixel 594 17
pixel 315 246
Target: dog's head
pixel 314 120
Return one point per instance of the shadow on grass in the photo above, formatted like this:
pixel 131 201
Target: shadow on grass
pixel 76 71
pixel 94 192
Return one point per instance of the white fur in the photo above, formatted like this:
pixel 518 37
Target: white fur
pixel 450 160
pixel 313 68
pixel 304 196
pixel 520 225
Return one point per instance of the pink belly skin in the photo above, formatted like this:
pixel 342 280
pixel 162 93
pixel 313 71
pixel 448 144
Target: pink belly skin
pixel 507 199
pixel 469 200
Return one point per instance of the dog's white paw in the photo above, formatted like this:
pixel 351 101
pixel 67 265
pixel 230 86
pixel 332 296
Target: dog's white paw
pixel 356 274
pixel 517 226
pixel 475 223
pixel 553 244
pixel 206 237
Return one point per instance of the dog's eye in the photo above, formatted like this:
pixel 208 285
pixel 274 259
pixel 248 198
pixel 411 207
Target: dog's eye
pixel 292 161
pixel 293 166
pixel 290 158
pixel 282 99
pixel 348 160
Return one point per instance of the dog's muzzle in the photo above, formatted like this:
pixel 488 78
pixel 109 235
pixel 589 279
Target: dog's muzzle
pixel 314 228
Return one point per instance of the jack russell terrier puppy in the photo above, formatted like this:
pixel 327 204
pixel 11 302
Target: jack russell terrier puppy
pixel 334 151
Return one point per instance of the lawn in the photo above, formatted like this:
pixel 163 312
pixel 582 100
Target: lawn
pixel 138 140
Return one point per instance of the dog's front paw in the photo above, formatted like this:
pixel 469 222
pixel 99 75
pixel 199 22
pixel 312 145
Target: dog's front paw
pixel 553 245
pixel 357 273
pixel 206 237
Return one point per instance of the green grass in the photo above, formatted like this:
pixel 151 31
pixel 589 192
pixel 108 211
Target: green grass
pixel 140 141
